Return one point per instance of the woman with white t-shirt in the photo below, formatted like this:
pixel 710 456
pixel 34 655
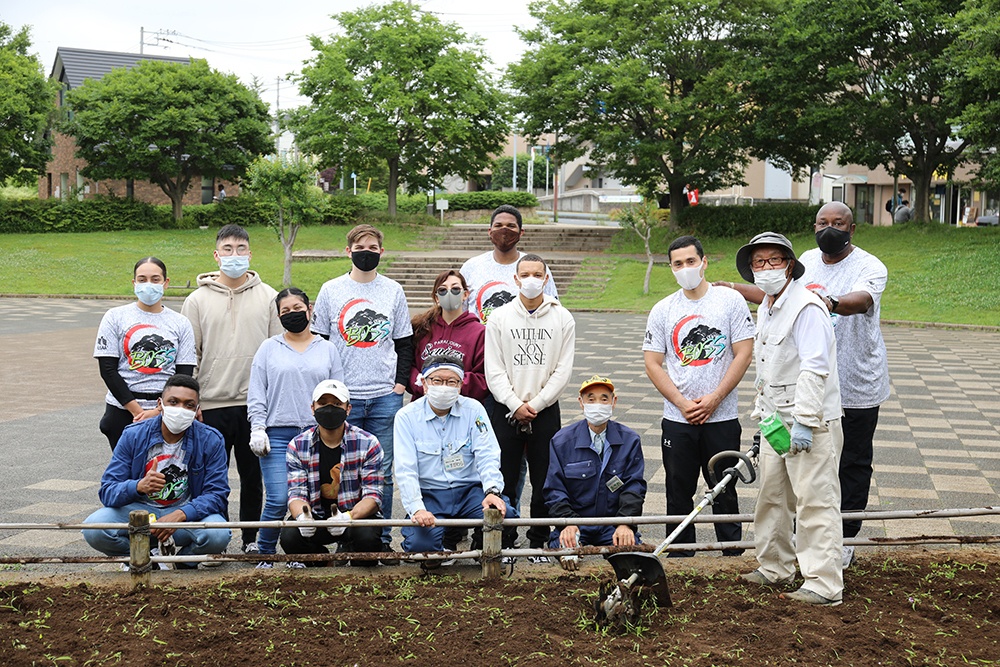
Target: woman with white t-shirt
pixel 138 347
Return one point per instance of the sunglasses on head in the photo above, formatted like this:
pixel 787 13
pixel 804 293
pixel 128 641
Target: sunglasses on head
pixel 441 291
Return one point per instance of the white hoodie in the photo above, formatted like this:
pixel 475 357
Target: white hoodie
pixel 529 356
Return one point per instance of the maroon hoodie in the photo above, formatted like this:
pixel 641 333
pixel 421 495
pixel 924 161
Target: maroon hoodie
pixel 465 338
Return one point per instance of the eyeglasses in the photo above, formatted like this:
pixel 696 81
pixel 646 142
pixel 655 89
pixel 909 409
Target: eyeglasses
pixel 441 382
pixel 773 262
pixel 228 250
pixel 441 291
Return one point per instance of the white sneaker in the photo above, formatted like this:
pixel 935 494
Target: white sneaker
pixel 847 554
pixel 265 565
pixel 163 566
pixel 295 565
pixel 449 561
pixel 508 560
pixel 251 548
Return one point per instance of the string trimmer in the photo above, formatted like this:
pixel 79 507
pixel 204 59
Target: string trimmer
pixel 618 601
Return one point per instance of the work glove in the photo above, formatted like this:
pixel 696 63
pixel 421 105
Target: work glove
pixel 337 523
pixel 802 439
pixel 306 531
pixel 260 445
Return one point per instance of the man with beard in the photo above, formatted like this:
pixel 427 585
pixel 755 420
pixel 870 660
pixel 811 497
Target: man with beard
pixel 490 276
pixel 366 316
pixel 705 335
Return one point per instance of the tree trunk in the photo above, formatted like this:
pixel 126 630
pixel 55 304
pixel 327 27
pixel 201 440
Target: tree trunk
pixel 649 256
pixel 393 183
pixel 177 204
pixel 287 278
pixel 922 193
pixel 676 203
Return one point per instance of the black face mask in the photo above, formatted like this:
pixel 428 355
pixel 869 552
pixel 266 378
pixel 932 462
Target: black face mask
pixel 832 241
pixel 365 260
pixel 330 416
pixel 295 321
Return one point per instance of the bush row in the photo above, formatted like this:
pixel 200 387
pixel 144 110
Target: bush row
pixel 104 214
pixel 747 221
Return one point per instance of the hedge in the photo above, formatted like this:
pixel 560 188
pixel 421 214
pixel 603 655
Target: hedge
pixel 488 200
pixel 379 201
pixel 100 214
pixel 747 221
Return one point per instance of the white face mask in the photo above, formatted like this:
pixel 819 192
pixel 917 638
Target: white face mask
pixel 531 287
pixel 441 398
pixel 597 413
pixel 177 420
pixel 771 281
pixel 689 277
pixel 234 266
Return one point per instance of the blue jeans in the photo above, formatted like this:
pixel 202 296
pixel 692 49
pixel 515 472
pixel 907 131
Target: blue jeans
pixel 189 542
pixel 376 415
pixel 463 502
pixel 590 536
pixel 275 474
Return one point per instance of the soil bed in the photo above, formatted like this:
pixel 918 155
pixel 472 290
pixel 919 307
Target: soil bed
pixel 904 608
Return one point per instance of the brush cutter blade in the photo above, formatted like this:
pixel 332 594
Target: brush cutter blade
pixel 648 569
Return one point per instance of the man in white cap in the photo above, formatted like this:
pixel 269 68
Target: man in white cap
pixel 334 473
pixel 596 469
pixel 798 403
pixel 447 457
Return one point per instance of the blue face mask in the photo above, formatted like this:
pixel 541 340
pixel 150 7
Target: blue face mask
pixel 234 266
pixel 149 293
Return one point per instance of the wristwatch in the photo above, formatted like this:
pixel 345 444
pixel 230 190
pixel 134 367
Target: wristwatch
pixel 493 490
pixel 834 302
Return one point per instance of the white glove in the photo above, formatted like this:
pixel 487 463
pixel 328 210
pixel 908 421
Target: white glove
pixel 260 445
pixel 337 523
pixel 802 439
pixel 306 531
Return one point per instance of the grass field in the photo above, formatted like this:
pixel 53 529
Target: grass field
pixel 936 273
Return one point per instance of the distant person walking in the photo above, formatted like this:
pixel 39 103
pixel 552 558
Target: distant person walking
pixel 222 194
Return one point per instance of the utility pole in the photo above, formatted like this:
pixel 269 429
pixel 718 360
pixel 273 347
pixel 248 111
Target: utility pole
pixel 277 116
pixel 513 177
pixel 142 38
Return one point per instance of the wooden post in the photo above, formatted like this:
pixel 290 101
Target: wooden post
pixel 492 541
pixel 138 545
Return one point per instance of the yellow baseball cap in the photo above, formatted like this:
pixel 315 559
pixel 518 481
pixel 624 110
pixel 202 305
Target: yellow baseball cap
pixel 597 379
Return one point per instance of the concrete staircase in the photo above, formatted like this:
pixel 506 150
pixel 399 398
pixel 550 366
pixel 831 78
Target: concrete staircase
pixel 567 249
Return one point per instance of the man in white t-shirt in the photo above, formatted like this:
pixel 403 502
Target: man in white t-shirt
pixel 490 276
pixel 705 335
pixel 850 282
pixel 365 314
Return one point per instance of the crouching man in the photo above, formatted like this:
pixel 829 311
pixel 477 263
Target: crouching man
pixel 595 470
pixel 171 466
pixel 334 473
pixel 447 458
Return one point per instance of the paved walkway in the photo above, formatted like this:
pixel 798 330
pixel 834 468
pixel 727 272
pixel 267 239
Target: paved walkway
pixel 937 445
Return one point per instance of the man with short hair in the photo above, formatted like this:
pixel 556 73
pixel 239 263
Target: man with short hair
pixel 850 281
pixel 232 312
pixel 172 466
pixel 798 404
pixel 705 336
pixel 366 316
pixel 530 345
pixel 903 212
pixel 596 469
pixel 334 473
pixel 490 276
pixel 447 457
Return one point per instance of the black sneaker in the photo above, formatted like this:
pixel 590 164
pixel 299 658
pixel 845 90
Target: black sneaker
pixel 391 560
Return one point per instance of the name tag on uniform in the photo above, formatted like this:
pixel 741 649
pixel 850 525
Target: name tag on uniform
pixel 454 462
pixel 614 484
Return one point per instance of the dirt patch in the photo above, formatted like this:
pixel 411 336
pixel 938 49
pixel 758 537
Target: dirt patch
pixel 940 608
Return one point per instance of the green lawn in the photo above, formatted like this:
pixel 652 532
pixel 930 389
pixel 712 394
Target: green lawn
pixel 936 273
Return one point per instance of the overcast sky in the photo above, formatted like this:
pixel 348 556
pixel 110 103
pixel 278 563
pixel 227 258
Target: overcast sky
pixel 248 38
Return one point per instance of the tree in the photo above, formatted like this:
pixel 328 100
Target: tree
pixel 399 86
pixel 27 103
pixel 976 54
pixel 287 190
pixel 881 84
pixel 503 171
pixel 657 112
pixel 167 123
pixel 642 219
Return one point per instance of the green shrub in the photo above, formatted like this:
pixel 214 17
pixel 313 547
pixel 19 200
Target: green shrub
pixel 100 214
pixel 746 221
pixel 379 201
pixel 243 210
pixel 342 209
pixel 488 200
pixel 378 218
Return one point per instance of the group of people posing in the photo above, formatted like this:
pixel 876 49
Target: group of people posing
pixel 308 399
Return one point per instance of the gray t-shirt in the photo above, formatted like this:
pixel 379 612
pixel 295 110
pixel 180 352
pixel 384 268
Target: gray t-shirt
pixel 491 284
pixel 148 347
pixel 861 357
pixel 696 339
pixel 363 320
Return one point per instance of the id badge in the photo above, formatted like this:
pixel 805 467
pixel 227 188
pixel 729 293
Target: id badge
pixel 454 462
pixel 614 484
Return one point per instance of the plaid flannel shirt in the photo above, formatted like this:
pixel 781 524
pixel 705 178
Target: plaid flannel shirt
pixel 361 476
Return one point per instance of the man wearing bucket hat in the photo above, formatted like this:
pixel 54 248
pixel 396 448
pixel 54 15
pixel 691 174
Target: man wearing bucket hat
pixel 595 470
pixel 447 457
pixel 334 473
pixel 798 392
